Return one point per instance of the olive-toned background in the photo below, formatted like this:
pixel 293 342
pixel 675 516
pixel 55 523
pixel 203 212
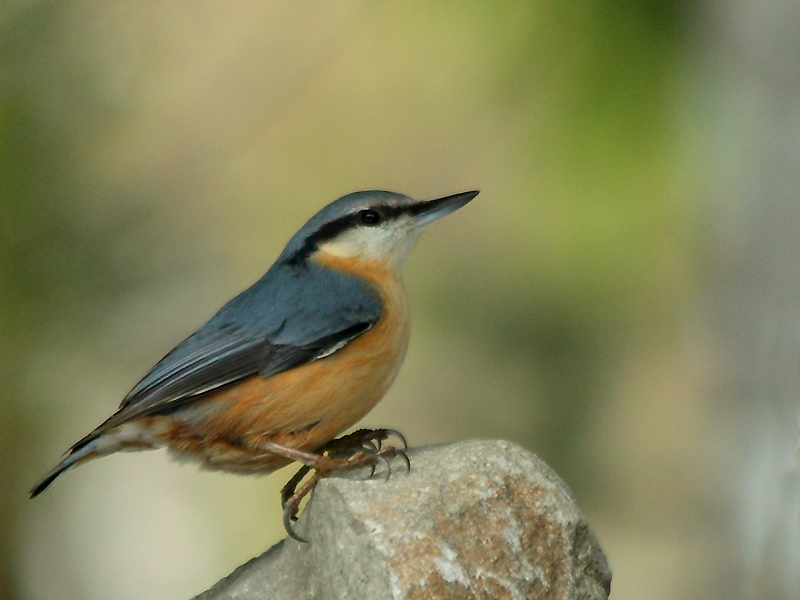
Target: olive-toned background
pixel 622 298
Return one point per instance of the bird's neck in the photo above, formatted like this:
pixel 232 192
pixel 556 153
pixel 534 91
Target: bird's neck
pixel 377 271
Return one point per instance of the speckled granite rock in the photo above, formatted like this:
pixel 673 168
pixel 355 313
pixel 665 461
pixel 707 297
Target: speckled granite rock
pixel 481 519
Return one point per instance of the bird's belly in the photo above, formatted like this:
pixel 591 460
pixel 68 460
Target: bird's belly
pixel 301 408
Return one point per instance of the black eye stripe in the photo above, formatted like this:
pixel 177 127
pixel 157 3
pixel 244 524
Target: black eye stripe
pixel 330 230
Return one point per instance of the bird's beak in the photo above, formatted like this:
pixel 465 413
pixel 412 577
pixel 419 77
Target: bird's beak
pixel 430 210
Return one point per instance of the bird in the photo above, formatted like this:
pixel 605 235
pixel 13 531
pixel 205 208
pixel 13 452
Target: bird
pixel 290 363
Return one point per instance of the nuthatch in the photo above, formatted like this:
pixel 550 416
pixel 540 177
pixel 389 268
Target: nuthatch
pixel 291 362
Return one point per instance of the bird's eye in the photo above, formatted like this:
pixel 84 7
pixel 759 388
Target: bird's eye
pixel 370 217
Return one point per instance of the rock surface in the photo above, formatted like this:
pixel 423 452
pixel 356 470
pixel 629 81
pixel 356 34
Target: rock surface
pixel 481 519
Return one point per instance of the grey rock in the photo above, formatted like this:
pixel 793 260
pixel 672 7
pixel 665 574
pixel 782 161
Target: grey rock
pixel 480 519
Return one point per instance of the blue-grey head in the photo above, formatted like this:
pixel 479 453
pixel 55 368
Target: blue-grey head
pixel 372 225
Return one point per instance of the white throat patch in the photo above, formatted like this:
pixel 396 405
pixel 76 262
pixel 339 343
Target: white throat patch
pixel 390 243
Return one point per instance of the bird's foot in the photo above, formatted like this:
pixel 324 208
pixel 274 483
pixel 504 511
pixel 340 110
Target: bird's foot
pixel 362 448
pixel 365 440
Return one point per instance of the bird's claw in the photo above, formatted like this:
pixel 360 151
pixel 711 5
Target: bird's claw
pixel 358 449
pixel 293 497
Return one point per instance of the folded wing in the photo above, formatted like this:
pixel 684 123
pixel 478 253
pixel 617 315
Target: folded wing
pixel 288 318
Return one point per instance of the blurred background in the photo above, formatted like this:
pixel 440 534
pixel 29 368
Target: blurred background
pixel 623 298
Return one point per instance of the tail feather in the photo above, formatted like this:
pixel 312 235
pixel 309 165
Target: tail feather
pixel 76 455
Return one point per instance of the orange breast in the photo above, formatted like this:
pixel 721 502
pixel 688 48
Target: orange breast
pixel 304 407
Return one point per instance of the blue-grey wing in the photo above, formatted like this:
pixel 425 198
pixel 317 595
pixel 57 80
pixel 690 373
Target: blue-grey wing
pixel 290 317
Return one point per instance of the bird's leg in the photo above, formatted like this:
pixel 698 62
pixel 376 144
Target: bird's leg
pixel 291 486
pixel 292 503
pixel 312 460
pixel 358 449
